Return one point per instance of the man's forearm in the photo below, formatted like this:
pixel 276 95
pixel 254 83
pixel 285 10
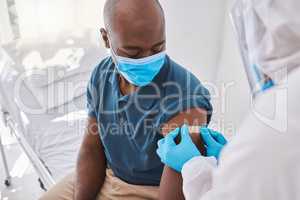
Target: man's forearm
pixel 91 164
pixel 90 175
pixel 171 185
pixel 171 181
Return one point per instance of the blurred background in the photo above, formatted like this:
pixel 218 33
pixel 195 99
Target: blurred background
pixel 199 36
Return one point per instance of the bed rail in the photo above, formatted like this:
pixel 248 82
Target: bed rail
pixel 41 170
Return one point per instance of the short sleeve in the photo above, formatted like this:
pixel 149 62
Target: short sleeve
pixel 180 104
pixel 93 89
pixel 92 96
pixel 183 91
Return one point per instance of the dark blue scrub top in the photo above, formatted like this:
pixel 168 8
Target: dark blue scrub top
pixel 129 125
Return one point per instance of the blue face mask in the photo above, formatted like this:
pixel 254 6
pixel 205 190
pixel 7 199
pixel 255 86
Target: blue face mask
pixel 139 72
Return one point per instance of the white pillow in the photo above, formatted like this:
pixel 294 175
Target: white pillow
pixel 65 63
pixel 60 92
pixel 52 59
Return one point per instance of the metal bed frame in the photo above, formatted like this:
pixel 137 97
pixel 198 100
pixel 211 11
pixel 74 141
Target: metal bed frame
pixel 45 178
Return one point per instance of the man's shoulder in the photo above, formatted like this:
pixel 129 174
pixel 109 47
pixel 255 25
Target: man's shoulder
pixel 101 70
pixel 181 75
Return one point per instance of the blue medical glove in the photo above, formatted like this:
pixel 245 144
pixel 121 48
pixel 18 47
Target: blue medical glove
pixel 176 155
pixel 214 142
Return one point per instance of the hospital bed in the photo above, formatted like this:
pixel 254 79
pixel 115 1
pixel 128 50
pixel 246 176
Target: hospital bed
pixel 47 124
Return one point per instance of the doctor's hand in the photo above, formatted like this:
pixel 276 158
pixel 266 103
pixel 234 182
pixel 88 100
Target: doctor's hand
pixel 176 155
pixel 214 142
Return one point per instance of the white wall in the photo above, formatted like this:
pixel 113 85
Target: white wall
pixel 235 103
pixel 50 17
pixel 193 34
pixel 200 37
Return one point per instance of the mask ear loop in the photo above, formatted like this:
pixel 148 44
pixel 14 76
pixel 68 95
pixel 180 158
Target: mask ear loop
pixel 112 52
pixel 114 57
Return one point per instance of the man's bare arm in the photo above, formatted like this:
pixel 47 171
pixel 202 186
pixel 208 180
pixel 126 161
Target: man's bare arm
pixel 171 181
pixel 91 164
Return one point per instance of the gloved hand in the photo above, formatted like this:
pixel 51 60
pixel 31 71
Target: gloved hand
pixel 176 155
pixel 214 142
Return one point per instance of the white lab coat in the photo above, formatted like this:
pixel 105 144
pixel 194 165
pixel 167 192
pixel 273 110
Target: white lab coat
pixel 261 162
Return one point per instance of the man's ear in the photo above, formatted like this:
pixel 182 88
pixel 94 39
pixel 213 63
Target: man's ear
pixel 105 37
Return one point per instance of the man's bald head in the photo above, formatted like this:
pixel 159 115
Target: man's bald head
pixel 134 28
pixel 116 8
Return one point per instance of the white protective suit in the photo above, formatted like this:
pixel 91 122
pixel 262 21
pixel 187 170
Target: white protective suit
pixel 262 162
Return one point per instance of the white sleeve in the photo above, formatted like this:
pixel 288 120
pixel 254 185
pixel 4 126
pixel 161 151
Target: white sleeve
pixel 197 176
pixel 259 163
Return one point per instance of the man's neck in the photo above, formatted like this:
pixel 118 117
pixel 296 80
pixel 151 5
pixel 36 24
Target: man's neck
pixel 125 87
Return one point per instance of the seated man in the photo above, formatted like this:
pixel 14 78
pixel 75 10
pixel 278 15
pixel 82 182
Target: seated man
pixel 135 97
